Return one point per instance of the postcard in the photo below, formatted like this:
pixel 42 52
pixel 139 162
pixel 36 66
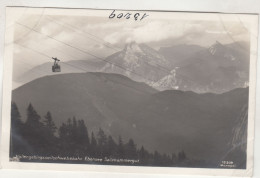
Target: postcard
pixel 129 91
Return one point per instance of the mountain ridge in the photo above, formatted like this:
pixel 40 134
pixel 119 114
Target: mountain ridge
pixel 218 69
pixel 183 67
pixel 200 124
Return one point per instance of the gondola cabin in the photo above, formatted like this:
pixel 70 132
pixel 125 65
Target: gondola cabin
pixel 56 67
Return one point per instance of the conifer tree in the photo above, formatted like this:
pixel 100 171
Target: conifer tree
pixel 33 119
pixel 15 116
pixel 130 149
pixel 120 148
pixel 83 133
pixel 51 141
pixel 156 158
pixel 93 145
pixel 49 123
pixel 82 141
pixel 111 147
pixel 34 132
pixel 16 139
pixel 102 142
pixel 181 156
pixel 143 155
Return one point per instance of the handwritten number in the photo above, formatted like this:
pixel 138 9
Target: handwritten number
pixel 144 16
pixel 127 15
pixel 112 15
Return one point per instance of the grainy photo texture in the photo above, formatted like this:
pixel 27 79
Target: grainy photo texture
pixel 133 88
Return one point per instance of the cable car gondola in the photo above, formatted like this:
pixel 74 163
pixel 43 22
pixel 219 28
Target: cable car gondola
pixel 56 66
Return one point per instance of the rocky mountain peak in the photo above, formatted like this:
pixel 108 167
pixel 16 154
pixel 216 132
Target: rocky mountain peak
pixel 216 48
pixel 132 47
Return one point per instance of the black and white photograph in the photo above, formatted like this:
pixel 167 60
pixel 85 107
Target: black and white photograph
pixel 130 88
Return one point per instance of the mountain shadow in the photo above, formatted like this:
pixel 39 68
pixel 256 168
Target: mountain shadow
pixel 202 125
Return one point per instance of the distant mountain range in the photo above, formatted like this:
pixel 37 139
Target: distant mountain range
pixel 203 125
pixel 219 68
pixel 142 63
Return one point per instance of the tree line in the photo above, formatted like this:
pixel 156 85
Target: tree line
pixel 40 136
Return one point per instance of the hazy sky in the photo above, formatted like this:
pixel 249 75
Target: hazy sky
pixel 101 36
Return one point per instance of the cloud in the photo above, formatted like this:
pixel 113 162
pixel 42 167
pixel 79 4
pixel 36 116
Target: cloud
pixel 152 31
pixel 96 34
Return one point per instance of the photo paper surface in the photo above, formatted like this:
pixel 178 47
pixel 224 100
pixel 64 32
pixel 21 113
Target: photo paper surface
pixel 129 91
